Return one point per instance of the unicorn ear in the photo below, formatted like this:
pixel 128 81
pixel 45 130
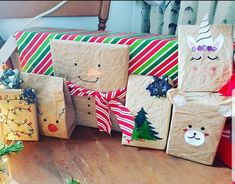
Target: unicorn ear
pixel 191 42
pixel 219 41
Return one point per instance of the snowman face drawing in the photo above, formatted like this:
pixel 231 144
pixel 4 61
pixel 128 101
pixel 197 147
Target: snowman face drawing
pixel 195 137
pixel 91 65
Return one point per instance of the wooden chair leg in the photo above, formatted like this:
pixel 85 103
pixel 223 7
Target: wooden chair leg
pixel 103 15
pixel 102 24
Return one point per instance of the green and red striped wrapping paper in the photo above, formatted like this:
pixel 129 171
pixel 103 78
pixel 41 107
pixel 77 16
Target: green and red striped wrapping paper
pixel 150 54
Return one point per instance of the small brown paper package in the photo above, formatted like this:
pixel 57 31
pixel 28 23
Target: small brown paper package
pixel 205 56
pixel 55 109
pixel 197 123
pixel 152 114
pixel 18 120
pixel 95 66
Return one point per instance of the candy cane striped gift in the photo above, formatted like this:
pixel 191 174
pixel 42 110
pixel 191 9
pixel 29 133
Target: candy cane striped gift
pixel 106 102
pixel 150 54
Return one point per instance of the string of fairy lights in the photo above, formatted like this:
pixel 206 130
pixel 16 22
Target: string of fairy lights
pixel 11 122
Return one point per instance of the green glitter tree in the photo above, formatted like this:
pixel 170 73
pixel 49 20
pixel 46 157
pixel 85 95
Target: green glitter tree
pixel 143 128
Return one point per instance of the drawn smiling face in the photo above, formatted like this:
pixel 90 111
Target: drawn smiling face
pixel 205 56
pixel 92 75
pixel 100 67
pixel 193 136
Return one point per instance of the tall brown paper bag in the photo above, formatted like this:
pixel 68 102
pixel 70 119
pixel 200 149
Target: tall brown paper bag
pixel 55 109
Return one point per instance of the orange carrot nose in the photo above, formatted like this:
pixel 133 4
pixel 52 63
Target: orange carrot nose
pixel 93 72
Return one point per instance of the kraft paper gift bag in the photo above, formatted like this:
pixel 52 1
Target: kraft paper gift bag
pixel 55 109
pixel 197 123
pixel 152 113
pixel 205 56
pixel 95 66
pixel 18 117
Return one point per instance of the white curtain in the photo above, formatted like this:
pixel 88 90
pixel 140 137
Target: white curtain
pixel 164 16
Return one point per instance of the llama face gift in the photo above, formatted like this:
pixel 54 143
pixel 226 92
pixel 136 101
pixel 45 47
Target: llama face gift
pixel 205 56
pixel 197 124
pixel 94 66
pixel 147 102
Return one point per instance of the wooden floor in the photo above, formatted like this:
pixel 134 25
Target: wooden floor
pixel 95 158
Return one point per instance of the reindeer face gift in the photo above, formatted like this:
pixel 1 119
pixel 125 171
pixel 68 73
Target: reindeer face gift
pixel 54 104
pixel 51 122
pixel 205 56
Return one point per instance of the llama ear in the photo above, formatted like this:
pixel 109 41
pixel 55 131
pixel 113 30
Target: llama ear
pixel 176 97
pixel 191 42
pixel 219 41
pixel 225 111
pixel 179 100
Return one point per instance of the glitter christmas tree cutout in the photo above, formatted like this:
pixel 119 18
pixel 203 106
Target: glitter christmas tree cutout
pixel 143 128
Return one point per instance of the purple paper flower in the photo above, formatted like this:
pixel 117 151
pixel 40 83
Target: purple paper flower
pixel 200 48
pixel 214 48
pixel 209 48
pixel 194 49
pixel 204 48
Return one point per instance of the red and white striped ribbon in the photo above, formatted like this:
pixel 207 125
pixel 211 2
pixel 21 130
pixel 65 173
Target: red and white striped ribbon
pixel 106 102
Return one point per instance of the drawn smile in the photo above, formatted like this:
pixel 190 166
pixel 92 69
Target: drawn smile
pixel 194 137
pixel 88 80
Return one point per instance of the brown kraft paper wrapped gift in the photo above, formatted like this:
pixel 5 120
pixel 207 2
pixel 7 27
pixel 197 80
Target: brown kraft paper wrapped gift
pixel 55 109
pixel 95 66
pixel 155 111
pixel 205 56
pixel 18 119
pixel 197 123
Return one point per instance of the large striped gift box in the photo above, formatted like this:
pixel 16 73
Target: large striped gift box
pixel 150 54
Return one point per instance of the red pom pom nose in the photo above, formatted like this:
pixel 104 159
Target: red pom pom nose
pixel 52 127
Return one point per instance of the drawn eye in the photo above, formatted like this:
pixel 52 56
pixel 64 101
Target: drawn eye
pixel 211 58
pixel 190 126
pixel 194 58
pixel 99 65
pixel 202 128
pixel 45 119
pixel 75 64
pixel 57 121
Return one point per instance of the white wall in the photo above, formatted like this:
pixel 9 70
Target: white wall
pixel 124 16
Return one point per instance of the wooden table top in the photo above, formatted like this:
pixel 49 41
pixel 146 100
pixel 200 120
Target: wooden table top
pixel 95 158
